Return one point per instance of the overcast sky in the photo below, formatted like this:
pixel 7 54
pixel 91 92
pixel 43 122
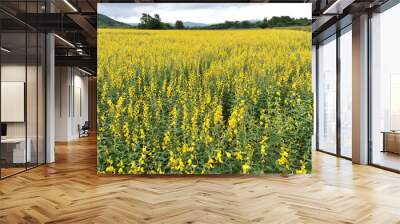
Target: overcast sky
pixel 203 12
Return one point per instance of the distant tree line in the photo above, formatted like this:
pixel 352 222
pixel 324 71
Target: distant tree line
pixel 275 21
pixel 154 22
pixel 282 21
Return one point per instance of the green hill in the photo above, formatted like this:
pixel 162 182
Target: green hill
pixel 106 22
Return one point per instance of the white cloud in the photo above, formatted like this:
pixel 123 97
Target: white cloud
pixel 203 12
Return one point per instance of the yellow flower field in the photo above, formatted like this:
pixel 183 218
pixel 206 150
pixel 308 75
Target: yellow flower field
pixel 204 102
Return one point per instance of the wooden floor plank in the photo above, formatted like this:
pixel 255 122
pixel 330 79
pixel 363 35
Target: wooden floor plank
pixel 69 191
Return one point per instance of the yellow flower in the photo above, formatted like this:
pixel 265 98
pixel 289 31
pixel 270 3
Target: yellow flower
pixel 263 145
pixel 126 131
pixel 166 140
pixel 180 165
pixel 110 162
pixel 110 105
pixel 206 124
pixel 246 168
pixel 218 157
pixel 142 134
pixel 208 139
pixel 284 154
pixel 302 169
pixel 174 117
pixel 169 91
pixel 233 121
pixel 120 102
pixel 239 155
pixel 283 160
pixel 120 164
pixel 120 171
pixel 186 148
pixel 110 169
pixel 218 115
pixel 208 98
pixel 209 163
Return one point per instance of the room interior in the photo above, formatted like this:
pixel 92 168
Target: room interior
pixel 37 68
pixel 22 101
pixel 24 61
pixel 335 82
pixel 385 89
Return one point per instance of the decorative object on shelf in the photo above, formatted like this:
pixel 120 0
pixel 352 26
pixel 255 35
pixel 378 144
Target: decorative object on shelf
pixel 391 141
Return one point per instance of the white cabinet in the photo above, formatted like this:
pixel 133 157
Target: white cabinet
pixel 19 154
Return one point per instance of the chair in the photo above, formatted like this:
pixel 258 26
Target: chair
pixel 84 130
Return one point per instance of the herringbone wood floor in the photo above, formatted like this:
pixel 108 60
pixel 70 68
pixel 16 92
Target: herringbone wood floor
pixel 69 191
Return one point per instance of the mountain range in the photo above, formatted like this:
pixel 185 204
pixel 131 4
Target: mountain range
pixel 104 21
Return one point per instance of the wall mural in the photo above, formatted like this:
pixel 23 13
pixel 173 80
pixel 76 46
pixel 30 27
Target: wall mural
pixel 220 98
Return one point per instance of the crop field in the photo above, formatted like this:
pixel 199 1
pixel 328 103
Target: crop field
pixel 204 101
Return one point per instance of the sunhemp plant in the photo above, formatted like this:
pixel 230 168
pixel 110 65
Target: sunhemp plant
pixel 204 102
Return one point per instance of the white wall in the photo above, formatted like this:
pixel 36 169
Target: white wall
pixel 62 82
pixel 13 72
pixel 71 87
pixel 33 127
pixel 16 73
